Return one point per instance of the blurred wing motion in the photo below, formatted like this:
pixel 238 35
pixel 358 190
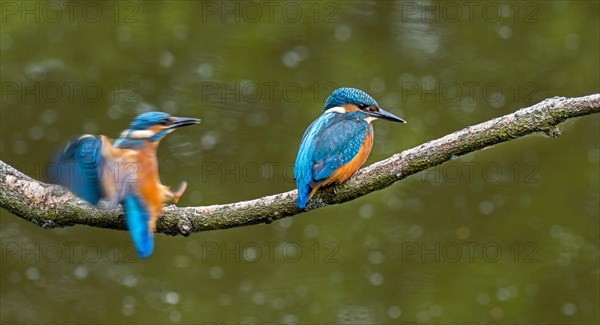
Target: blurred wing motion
pixel 329 143
pixel 93 169
pixel 124 172
pixel 79 168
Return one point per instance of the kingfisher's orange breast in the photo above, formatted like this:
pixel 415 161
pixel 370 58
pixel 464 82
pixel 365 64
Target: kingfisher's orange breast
pixel 344 172
pixel 149 183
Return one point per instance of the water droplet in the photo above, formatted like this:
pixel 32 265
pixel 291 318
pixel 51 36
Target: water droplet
pixel 289 319
pixel 311 231
pixel 127 310
pixel 366 211
pixel 394 312
pixel 285 223
pixel 556 231
pixel 463 232
pixel 497 312
pixel 181 261
pixel 166 59
pixel 175 316
pixel 505 32
pixel 593 156
pixel 415 231
pixel 123 34
pixel 216 272
pixel 376 279
pixel 343 33
pixel 209 140
pixel 258 298
pixel 423 316
pixel 483 298
pixel 205 71
pixel 48 116
pixel 496 99
pixel 246 285
pixel 303 52
pixel 171 298
pixel 81 272
pixel 225 300
pixel 20 147
pixel 572 42
pixel 429 82
pixel 486 207
pixel 90 127
pixel 180 32
pixel 376 257
pixel 502 294
pixel 569 309
pixel 406 78
pixel 291 59
pixel 564 259
pixel 130 281
pixel 250 254
pixel 32 273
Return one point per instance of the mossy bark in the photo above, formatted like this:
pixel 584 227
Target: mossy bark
pixel 51 206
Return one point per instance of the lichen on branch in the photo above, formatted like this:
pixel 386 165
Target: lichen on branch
pixel 52 206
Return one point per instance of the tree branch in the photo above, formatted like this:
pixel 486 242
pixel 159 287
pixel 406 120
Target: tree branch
pixel 52 206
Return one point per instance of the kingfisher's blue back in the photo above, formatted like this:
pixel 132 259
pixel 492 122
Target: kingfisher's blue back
pixel 337 143
pixel 125 172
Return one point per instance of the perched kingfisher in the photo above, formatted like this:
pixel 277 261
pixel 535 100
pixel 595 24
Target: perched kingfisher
pixel 336 144
pixel 124 172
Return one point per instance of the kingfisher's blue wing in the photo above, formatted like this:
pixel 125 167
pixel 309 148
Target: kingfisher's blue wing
pixel 335 147
pixel 137 217
pixel 78 168
pixel 329 142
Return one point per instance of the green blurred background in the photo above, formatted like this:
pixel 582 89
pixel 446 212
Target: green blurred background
pixel 509 234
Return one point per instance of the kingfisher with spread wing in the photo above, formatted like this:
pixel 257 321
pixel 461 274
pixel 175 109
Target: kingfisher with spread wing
pixel 338 142
pixel 124 172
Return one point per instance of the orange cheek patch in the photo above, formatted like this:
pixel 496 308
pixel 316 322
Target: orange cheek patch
pixel 156 128
pixel 350 108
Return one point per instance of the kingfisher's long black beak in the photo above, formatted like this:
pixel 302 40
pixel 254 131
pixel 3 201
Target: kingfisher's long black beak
pixel 177 122
pixel 384 115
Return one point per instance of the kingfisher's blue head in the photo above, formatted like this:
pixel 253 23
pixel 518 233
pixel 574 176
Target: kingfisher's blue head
pixel 152 126
pixel 347 100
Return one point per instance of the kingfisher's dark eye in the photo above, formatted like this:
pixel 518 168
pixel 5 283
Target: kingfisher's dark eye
pixel 363 106
pixel 165 122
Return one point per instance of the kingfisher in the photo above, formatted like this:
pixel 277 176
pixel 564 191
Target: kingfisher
pixel 338 142
pixel 123 172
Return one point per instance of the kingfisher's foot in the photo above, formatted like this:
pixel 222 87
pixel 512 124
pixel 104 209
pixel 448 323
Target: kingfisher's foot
pixel 175 196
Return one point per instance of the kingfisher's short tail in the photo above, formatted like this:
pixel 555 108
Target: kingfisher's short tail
pixel 303 196
pixel 137 218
